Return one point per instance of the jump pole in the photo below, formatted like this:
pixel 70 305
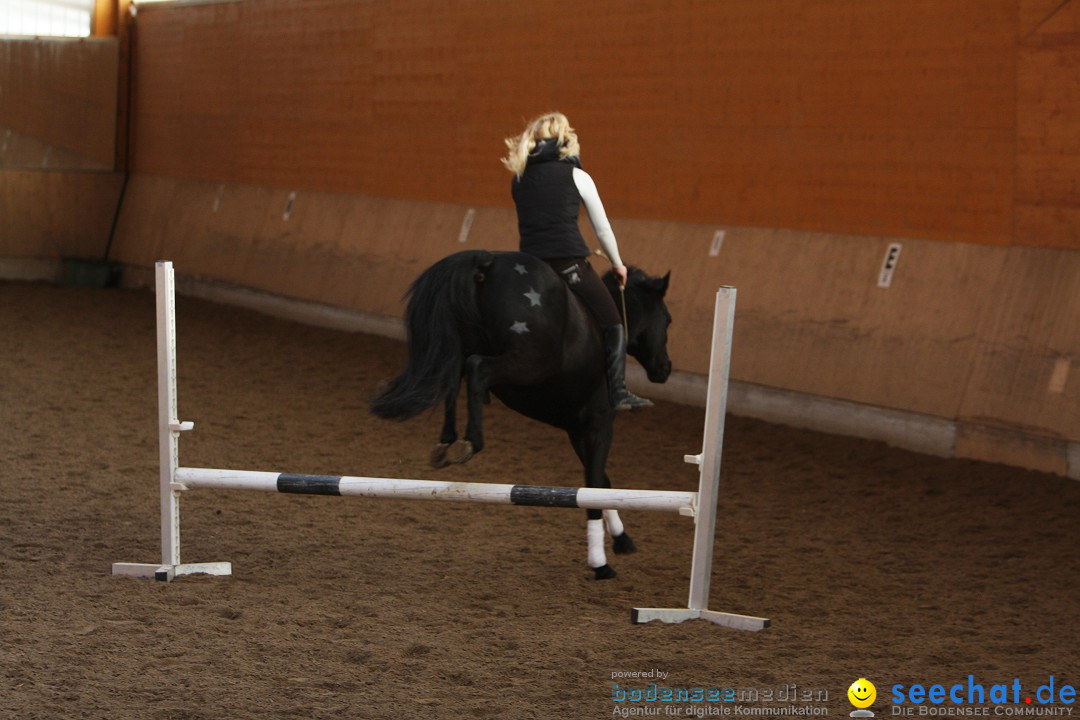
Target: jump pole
pixel 175 480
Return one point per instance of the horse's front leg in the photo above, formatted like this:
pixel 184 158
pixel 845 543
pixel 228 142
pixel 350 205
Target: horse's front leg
pixel 592 447
pixel 620 540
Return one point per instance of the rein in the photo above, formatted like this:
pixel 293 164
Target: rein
pixel 622 291
pixel 622 296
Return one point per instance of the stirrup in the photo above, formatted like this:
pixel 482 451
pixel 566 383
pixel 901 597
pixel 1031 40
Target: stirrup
pixel 626 400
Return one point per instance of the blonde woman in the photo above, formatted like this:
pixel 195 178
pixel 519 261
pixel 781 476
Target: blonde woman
pixel 549 188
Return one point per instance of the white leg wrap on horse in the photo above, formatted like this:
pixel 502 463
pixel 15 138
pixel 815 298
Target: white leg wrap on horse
pixel 614 524
pixel 594 529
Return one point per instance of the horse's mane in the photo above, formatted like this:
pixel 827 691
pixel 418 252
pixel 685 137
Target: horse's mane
pixel 635 276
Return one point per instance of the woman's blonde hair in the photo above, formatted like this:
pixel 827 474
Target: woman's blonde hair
pixel 550 125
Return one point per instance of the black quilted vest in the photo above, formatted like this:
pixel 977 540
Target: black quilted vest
pixel 548 205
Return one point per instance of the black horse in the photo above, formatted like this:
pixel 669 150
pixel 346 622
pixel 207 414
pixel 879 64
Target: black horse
pixel 509 325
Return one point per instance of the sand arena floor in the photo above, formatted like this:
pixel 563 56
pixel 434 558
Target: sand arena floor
pixel 870 561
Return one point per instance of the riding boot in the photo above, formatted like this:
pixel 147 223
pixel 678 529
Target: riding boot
pixel 615 363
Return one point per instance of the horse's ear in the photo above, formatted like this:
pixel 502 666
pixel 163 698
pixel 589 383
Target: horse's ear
pixel 657 284
pixel 665 281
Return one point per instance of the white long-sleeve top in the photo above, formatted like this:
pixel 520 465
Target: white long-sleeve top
pixel 595 209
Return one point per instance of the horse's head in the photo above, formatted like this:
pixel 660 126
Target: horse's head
pixel 647 320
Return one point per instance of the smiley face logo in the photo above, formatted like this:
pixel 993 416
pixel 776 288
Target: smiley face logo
pixel 862 693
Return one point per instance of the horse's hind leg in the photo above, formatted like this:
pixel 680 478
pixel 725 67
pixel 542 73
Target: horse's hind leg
pixel 482 372
pixel 448 450
pixel 448 436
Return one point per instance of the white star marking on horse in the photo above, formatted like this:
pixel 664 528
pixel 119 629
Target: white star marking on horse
pixel 534 298
pixel 519 327
pixel 521 269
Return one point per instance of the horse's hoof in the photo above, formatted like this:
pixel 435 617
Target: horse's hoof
pixel 605 572
pixel 623 544
pixel 460 452
pixel 438 455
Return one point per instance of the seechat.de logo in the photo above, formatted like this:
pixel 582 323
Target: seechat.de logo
pixel 1006 698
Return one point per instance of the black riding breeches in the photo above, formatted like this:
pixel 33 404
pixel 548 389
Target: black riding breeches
pixel 587 285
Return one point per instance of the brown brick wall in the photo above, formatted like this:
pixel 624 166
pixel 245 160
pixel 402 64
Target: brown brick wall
pixel 920 118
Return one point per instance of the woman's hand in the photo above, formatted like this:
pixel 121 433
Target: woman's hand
pixel 620 272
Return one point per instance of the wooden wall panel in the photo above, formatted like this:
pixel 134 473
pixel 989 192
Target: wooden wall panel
pixel 62 93
pixel 1048 130
pixel 345 250
pixel 273 93
pixel 1025 371
pixel 812 317
pixel 56 213
pixel 19 151
pixel 1032 14
pixel 888 118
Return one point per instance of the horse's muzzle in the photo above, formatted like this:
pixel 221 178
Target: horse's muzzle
pixel 660 373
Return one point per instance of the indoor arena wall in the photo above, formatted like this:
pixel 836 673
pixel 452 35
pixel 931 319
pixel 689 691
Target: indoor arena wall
pixel 328 151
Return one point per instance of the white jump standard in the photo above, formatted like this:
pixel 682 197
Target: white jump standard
pixel 176 480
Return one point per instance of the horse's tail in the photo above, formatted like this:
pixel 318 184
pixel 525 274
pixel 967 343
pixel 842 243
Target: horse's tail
pixel 440 318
